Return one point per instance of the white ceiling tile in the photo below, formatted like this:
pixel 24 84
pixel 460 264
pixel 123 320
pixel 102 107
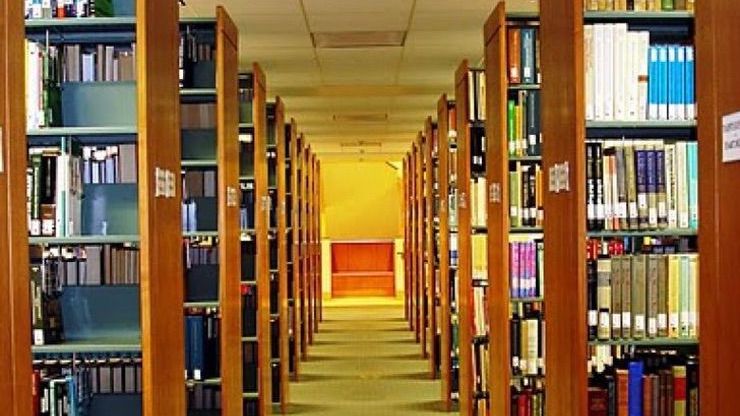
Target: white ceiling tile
pixel 371 21
pixel 357 6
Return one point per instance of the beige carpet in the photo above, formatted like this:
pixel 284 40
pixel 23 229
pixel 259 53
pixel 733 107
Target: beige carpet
pixel 364 362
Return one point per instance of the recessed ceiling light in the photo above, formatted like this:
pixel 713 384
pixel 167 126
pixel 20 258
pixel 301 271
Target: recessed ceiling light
pixel 361 118
pixel 358 39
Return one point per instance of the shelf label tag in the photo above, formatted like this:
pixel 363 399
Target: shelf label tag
pixel 731 138
pixel 232 199
pixel 559 178
pixel 462 202
pixel 495 193
pixel 159 182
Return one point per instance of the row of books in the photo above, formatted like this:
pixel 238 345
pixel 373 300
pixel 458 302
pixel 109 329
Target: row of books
pixel 199 184
pixel 646 383
pixel 199 214
pixel 109 164
pixel 528 398
pixel 202 344
pixel 526 195
pixel 46 308
pixel 480 374
pixel 198 115
pixel 633 295
pixel 204 397
pixel 194 52
pixel 478 151
pixel 478 202
pixel 88 265
pixel 527 339
pixel 523 55
pixel 640 5
pixel 54 190
pixel 248 205
pixel 477 95
pixel 523 122
pixel 480 309
pixel 628 79
pixel 97 63
pixel 200 251
pixel 60 9
pixel 66 386
pixel 642 185
pixel 526 269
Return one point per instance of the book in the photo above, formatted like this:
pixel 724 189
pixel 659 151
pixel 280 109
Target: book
pixel 513 38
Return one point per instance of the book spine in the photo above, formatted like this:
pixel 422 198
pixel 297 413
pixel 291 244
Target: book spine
pixel 635 388
pixel 652 187
pixel 592 301
pixel 693 188
pixel 528 55
pixel 514 55
pixel 642 191
pixel 660 178
pixel 604 298
pixel 689 81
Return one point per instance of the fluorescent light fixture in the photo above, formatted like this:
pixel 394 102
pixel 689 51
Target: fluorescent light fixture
pixel 358 39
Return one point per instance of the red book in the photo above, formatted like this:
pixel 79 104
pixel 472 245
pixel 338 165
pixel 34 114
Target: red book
pixel 647 395
pixel 679 390
pixel 623 396
pixel 522 404
pixel 514 42
pixel 598 402
pixel 36 391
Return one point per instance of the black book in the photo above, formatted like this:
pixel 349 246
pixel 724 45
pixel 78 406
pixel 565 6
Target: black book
pixel 598 167
pixel 592 289
pixel 590 188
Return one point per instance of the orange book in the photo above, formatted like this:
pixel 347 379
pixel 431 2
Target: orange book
pixel 647 395
pixel 514 41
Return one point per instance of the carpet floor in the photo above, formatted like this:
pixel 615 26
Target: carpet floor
pixel 364 361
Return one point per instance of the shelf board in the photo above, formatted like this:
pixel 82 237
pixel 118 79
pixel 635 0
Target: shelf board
pixel 82 131
pixel 101 345
pixel 197 92
pixel 668 342
pixel 246 177
pixel 527 300
pixel 522 87
pixel 250 339
pixel 196 234
pixel 533 159
pixel 85 239
pixel 647 124
pixel 479 230
pixel 526 230
pixel 249 282
pixel 211 304
pixel 251 395
pixel 638 15
pixel 86 23
pixel 206 382
pixel 522 15
pixel 644 233
pixel 206 163
pixel 246 125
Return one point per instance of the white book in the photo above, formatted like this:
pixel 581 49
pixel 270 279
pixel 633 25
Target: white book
pixel 32 84
pixel 598 62
pixel 608 42
pixel 641 56
pixel 607 177
pixel 88 67
pixel 620 67
pixel 670 185
pixel 631 80
pixel 672 103
pixel 588 37
pixel 653 106
pixel 682 185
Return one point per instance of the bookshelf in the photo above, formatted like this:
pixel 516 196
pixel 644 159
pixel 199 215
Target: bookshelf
pixel 574 276
pixel 415 246
pixel 406 240
pixel 515 301
pixel 302 282
pixel 295 251
pixel 448 355
pixel 422 283
pixel 211 214
pixel 284 132
pixel 472 280
pixel 431 222
pixel 144 322
pixel 317 245
pixel 715 35
pixel 310 248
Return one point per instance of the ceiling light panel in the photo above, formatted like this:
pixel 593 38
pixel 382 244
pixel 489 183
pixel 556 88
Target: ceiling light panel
pixel 358 39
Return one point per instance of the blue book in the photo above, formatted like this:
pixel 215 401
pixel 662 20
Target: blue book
pixel 528 55
pixel 692 158
pixel 681 83
pixel 188 361
pixel 652 188
pixel 653 83
pixel 662 83
pixel 641 182
pixel 634 388
pixel 672 83
pixel 689 83
pixel 72 396
pixel 197 355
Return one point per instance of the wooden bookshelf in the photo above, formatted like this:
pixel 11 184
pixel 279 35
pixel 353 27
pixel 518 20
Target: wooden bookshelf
pixel 430 348
pixel 315 245
pixel 716 34
pixel 319 263
pixel 264 350
pixel 304 229
pixel 406 239
pixel 445 272
pixel 296 248
pixel 283 258
pixel 15 337
pixel 413 268
pixel 465 233
pixel 421 260
pixel 310 249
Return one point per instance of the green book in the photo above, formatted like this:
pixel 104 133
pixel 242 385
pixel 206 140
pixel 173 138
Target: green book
pixel 639 287
pixel 626 281
pixel 663 296
pixel 653 261
pixel 667 5
pixel 511 122
pixel 514 197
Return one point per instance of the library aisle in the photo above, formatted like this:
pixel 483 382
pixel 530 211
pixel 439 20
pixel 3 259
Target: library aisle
pixel 364 362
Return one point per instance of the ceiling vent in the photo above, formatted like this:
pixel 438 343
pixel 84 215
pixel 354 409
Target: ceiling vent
pixel 358 39
pixel 361 118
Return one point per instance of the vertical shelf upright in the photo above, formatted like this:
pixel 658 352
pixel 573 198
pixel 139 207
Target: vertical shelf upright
pixel 421 237
pixel 302 160
pixel 315 246
pixel 515 235
pixel 413 286
pixel 417 251
pixel 319 264
pixel 449 363
pixel 209 88
pixel 283 236
pixel 472 245
pixel 14 266
pixel 295 233
pixel 431 228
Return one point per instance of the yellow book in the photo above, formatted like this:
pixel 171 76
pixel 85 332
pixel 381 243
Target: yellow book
pixel 690 5
pixel 653 5
pixel 620 5
pixel 592 5
pixel 523 342
pixel 693 295
pixel 674 276
pixel 640 5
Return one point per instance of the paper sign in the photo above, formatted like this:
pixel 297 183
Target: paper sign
pixel 731 138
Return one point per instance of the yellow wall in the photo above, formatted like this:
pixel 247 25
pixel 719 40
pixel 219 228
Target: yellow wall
pixel 361 200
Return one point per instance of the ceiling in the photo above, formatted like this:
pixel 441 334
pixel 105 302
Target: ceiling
pixel 332 92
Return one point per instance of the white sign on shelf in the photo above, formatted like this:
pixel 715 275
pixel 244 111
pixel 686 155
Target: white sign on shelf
pixel 731 138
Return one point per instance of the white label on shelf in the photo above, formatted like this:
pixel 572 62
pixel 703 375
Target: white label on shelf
pixel 616 321
pixel 652 326
pixel 639 323
pixel 232 197
pixel 731 138
pixel 495 194
pixel 593 318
